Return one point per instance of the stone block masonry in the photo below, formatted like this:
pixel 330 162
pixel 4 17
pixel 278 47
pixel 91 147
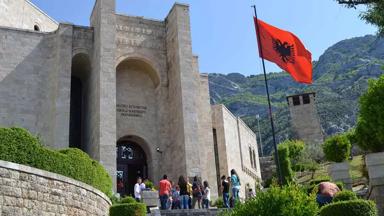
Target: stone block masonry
pixel 27 191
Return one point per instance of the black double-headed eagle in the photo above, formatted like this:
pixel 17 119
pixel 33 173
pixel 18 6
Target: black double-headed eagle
pixel 285 50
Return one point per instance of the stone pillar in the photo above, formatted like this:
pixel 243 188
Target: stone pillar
pixel 183 93
pixel 375 165
pixel 62 86
pixel 340 172
pixel 103 85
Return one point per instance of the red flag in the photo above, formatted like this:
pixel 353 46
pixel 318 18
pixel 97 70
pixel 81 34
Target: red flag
pixel 286 50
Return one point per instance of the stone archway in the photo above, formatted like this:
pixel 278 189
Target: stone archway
pixel 80 74
pixel 132 162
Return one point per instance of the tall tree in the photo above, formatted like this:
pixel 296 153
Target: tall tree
pixel 374 13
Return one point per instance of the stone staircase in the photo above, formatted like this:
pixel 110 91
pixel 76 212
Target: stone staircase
pixel 186 212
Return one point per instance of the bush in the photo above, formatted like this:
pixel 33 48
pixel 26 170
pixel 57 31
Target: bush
pixel 128 199
pixel 337 148
pixel 286 201
pixel 285 163
pixel 19 146
pixel 350 208
pixel 149 184
pixel 344 196
pixel 369 131
pixel 219 203
pixel 128 209
pixel 320 179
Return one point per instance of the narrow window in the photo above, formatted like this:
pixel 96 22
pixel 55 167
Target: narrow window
pixel 306 99
pixel 254 160
pixel 296 100
pixel 251 156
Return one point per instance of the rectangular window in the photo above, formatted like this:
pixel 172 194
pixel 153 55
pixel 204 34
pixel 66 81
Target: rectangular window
pixel 306 99
pixel 254 160
pixel 251 156
pixel 296 100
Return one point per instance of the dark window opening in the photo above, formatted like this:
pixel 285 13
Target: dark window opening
pixel 251 156
pixel 75 123
pixel 254 159
pixel 216 149
pixel 306 99
pixel 296 100
pixel 36 28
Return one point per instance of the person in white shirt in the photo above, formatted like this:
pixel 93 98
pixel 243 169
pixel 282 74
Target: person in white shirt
pixel 206 195
pixel 139 187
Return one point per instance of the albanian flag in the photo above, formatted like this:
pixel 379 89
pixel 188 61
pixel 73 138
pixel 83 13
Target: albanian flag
pixel 286 50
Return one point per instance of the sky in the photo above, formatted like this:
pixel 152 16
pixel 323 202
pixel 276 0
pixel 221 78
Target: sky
pixel 223 33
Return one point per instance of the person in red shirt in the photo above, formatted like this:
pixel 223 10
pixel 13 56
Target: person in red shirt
pixel 164 191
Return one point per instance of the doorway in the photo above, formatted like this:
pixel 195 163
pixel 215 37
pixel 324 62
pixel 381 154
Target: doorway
pixel 131 164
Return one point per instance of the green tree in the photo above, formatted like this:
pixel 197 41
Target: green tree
pixel 337 148
pixel 369 132
pixel 374 13
pixel 285 163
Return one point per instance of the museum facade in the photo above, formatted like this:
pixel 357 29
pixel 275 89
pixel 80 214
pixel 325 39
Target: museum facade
pixel 126 90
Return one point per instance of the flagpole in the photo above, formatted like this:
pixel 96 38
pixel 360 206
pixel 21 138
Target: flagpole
pixel 269 102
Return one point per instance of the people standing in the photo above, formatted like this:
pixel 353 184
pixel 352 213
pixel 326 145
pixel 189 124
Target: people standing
pixel 235 181
pixel 190 191
pixel 225 190
pixel 184 195
pixel 206 195
pixel 164 192
pixel 197 193
pixel 139 187
pixel 176 198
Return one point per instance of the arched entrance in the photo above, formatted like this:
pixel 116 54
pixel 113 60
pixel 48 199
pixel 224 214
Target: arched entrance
pixel 80 73
pixel 131 163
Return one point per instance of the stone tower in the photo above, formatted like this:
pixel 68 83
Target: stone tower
pixel 304 118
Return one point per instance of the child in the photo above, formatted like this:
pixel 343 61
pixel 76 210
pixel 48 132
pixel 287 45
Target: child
pixel 207 195
pixel 176 198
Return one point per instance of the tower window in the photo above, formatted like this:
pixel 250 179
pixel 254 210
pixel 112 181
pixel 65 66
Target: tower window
pixel 36 28
pixel 296 100
pixel 306 99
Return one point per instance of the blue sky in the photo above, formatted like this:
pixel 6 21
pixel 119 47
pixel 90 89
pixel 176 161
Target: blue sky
pixel 223 34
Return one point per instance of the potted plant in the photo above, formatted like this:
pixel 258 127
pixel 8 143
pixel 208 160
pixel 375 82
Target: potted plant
pixel 338 149
pixel 369 135
pixel 150 195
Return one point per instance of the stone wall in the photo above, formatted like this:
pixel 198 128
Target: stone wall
pixel 23 14
pixel 35 82
pixel 305 120
pixel 206 148
pixel 234 139
pixel 26 191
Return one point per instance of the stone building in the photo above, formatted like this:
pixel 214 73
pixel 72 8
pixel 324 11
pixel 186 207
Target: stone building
pixel 304 118
pixel 235 148
pixel 126 90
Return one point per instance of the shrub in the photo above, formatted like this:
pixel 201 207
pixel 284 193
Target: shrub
pixel 320 179
pixel 149 184
pixel 350 208
pixel 285 163
pixel 128 209
pixel 337 148
pixel 19 146
pixel 219 203
pixel 286 201
pixel 344 196
pixel 369 131
pixel 128 199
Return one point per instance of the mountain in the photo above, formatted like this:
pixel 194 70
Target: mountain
pixel 340 76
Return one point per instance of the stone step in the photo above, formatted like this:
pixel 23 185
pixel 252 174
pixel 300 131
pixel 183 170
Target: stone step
pixel 186 212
